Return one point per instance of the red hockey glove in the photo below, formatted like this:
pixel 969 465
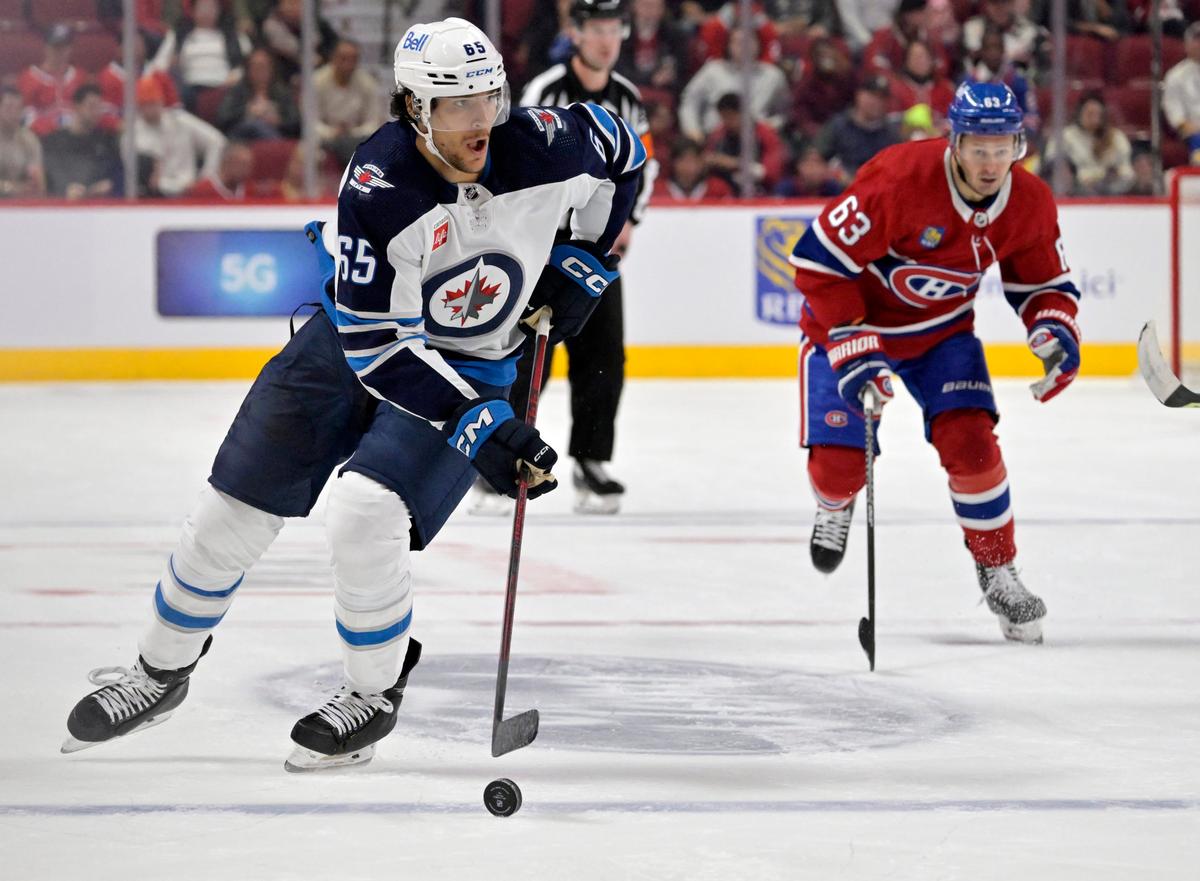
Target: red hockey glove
pixel 1054 337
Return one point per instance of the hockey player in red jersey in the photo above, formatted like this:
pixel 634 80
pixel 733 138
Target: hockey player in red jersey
pixel 889 274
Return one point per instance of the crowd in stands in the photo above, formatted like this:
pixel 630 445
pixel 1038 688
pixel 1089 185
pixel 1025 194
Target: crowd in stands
pixel 832 83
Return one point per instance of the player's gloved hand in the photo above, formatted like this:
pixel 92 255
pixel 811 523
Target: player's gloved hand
pixel 325 262
pixel 1054 337
pixel 571 285
pixel 502 447
pixel 858 361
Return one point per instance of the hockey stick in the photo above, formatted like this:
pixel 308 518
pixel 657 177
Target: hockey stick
pixel 1164 383
pixel 866 626
pixel 520 730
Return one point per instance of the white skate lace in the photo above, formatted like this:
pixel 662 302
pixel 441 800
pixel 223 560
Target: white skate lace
pixel 348 710
pixel 130 692
pixel 832 527
pixel 1004 585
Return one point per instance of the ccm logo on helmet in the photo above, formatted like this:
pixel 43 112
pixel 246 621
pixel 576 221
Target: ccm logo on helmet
pixel 597 283
pixel 483 71
pixel 924 286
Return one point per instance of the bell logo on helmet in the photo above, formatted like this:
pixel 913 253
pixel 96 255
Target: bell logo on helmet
pixel 414 41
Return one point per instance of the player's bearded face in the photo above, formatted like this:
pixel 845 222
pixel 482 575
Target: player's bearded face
pixel 985 161
pixel 462 126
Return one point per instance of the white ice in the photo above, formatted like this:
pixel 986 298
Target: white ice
pixel 706 709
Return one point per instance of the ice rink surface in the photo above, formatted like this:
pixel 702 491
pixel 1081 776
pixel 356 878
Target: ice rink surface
pixel 706 709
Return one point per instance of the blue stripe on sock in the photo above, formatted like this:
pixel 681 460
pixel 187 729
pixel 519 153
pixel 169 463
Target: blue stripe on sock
pixel 984 511
pixel 200 592
pixel 374 637
pixel 182 619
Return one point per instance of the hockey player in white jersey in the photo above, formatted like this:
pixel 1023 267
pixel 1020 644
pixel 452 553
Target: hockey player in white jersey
pixel 446 222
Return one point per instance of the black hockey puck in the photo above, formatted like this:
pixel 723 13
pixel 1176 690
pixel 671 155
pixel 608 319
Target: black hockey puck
pixel 502 797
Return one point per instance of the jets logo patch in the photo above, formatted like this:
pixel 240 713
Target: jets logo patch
pixel 547 121
pixel 367 177
pixel 472 297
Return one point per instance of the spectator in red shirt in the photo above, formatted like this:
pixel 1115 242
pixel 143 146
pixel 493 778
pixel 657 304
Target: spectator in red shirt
pixel 918 82
pixel 725 148
pixel 112 79
pixel 689 179
pixel 886 50
pixel 655 55
pixel 49 87
pixel 229 183
pixel 825 87
pixel 713 35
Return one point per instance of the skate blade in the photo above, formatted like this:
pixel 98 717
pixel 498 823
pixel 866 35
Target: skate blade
pixel 303 760
pixel 74 745
pixel 591 503
pixel 1029 633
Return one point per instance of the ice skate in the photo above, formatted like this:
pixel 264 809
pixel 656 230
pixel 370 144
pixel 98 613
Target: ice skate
pixel 595 490
pixel 345 730
pixel 1020 612
pixel 831 529
pixel 129 700
pixel 486 502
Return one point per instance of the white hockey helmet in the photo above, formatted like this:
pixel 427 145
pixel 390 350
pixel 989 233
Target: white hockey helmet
pixel 452 59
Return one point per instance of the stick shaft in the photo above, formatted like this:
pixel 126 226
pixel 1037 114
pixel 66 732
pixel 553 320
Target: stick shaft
pixel 518 528
pixel 870 419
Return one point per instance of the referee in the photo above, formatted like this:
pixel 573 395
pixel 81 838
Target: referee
pixel 596 368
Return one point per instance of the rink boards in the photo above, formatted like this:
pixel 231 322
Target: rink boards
pixel 707 292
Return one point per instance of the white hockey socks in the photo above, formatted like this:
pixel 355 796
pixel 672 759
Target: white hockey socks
pixel 367 525
pixel 221 539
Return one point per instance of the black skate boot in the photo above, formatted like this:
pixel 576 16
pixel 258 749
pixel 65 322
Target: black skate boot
pixel 595 490
pixel 831 529
pixel 344 731
pixel 1020 612
pixel 136 699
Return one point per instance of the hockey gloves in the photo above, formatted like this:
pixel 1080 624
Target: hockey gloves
pixel 502 447
pixel 858 361
pixel 571 285
pixel 1054 337
pixel 326 265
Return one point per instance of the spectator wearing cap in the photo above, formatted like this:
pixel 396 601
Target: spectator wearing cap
pixel 655 55
pixel 689 179
pixel 1020 34
pixel 724 149
pixel 1181 94
pixel 768 90
pixel 990 65
pixel 349 106
pixel 825 87
pixel 49 87
pixel 228 183
pixel 281 33
pixel 82 160
pixel 1098 151
pixel 205 50
pixel 112 79
pixel 917 81
pixel 260 106
pixel 858 133
pixel 21 171
pixel 886 50
pixel 811 177
pixel 171 143
pixel 862 18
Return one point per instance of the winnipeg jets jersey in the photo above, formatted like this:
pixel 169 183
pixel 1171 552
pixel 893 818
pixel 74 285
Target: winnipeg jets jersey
pixel 902 253
pixel 433 276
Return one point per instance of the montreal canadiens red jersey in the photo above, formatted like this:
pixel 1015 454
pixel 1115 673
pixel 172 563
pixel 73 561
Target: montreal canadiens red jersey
pixel 902 253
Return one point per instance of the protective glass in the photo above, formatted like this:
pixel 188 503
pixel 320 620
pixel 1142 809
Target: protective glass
pixel 465 113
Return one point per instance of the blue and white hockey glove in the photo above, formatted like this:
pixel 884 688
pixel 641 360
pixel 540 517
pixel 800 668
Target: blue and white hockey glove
pixel 1054 337
pixel 325 262
pixel 858 361
pixel 571 285
pixel 502 447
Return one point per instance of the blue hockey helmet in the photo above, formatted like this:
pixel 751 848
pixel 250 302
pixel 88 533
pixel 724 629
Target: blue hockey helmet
pixel 987 109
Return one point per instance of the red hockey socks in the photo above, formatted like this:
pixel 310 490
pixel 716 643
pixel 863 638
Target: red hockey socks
pixel 978 483
pixel 836 475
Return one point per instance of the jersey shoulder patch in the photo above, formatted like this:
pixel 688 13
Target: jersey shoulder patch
pixel 389 176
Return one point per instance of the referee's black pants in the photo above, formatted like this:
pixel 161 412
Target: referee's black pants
pixel 596 371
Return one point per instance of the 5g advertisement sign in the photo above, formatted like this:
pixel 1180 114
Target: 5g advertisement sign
pixel 234 273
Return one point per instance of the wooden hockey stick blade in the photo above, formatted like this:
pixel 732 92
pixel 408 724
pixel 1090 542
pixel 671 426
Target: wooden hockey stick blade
pixel 866 638
pixel 1165 385
pixel 514 733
